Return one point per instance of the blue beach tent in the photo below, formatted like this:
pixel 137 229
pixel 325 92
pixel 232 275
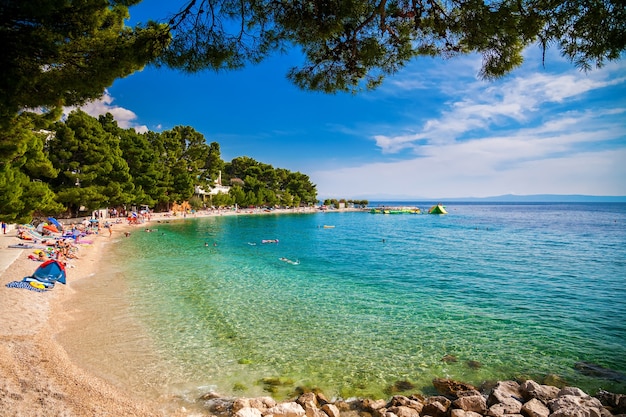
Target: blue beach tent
pixel 49 272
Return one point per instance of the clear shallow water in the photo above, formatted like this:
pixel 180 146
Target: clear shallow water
pixel 525 290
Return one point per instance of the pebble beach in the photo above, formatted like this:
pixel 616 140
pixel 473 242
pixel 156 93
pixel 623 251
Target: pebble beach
pixel 38 378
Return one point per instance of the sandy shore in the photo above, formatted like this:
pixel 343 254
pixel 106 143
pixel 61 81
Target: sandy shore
pixel 38 376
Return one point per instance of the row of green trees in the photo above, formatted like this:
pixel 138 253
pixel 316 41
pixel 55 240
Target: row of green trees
pixel 333 202
pixel 257 184
pixel 84 163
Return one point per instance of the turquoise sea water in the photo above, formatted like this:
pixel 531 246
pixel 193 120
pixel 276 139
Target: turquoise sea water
pixel 521 290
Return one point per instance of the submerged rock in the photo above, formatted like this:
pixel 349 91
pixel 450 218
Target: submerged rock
pixel 400 386
pixel 598 371
pixel 450 387
pixel 449 359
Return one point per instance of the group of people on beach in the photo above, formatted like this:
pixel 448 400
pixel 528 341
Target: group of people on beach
pixel 60 250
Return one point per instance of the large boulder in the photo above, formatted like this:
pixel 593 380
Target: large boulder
pixel 260 403
pixel 615 403
pixel 289 409
pixel 507 406
pixel 404 411
pixel 544 393
pixel 401 400
pixel 504 390
pixel 535 408
pixel 575 391
pixel 331 410
pixel 476 403
pixel 308 398
pixel 247 412
pixel 311 411
pixel 573 402
pixel 309 401
pixel 436 406
pixel 373 405
pixel 240 404
pixel 457 412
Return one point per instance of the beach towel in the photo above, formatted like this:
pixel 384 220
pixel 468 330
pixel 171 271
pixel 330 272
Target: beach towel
pixel 25 285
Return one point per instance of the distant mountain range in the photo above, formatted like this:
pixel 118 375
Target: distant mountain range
pixel 547 198
pixel 510 198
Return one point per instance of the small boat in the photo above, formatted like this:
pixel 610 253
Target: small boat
pixel 437 209
pixel 328 227
pixel 269 241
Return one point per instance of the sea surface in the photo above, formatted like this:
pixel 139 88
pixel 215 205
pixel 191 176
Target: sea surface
pixel 379 304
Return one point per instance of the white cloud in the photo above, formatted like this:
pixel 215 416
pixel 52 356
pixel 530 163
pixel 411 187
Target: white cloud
pixel 476 172
pixel 555 157
pixel 531 133
pixel 125 118
pixel 480 106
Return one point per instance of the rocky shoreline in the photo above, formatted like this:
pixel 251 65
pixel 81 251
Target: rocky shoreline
pixel 456 399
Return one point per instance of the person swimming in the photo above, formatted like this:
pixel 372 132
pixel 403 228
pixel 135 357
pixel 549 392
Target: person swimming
pixel 289 261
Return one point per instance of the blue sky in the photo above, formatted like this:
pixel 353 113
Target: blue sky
pixel 432 131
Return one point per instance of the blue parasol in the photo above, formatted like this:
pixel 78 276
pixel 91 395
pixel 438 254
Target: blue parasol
pixel 55 222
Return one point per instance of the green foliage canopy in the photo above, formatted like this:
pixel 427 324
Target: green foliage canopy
pixel 57 53
pixel 66 52
pixel 93 173
pixel 264 185
pixel 84 163
pixel 352 44
pixel 25 169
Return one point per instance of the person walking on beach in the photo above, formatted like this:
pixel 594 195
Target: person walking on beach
pixel 4 228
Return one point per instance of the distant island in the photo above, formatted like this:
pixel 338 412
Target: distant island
pixel 546 198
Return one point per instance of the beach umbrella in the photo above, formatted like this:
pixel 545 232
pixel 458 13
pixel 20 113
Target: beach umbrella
pixel 55 222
